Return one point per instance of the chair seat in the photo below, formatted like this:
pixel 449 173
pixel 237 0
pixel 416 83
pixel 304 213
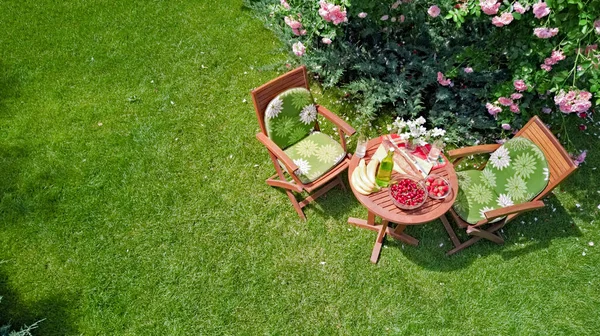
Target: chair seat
pixel 516 172
pixel 315 155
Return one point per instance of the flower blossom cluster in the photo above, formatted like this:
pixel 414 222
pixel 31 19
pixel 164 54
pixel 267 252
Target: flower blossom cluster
pixel 579 159
pixel 332 13
pixel 415 131
pixel 540 10
pixel 520 85
pixel 545 33
pixel 443 80
pixel 285 4
pixel 573 101
pixel 502 20
pixel 434 11
pixel 511 102
pixel 295 25
pixel 519 8
pixel 489 7
pixel 556 57
pixel 298 48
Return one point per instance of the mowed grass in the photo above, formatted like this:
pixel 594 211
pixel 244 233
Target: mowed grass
pixel 133 199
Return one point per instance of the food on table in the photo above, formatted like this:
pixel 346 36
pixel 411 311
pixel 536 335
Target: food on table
pixel 372 170
pixel 361 181
pixel 408 192
pixel 437 187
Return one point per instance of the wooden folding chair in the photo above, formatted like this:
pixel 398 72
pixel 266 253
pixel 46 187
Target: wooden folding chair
pixel 261 97
pixel 560 167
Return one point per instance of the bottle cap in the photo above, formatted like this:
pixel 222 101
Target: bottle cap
pixel 392 149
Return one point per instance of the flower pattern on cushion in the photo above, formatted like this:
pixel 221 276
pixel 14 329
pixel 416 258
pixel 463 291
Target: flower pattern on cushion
pixel 516 172
pixel 290 117
pixel 315 155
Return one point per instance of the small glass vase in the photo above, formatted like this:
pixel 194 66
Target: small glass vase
pixel 410 145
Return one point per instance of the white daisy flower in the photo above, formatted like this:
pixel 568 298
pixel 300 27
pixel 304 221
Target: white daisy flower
pixel 546 174
pixel 303 166
pixel 479 193
pixel 524 165
pixel 484 210
pixel 306 148
pixel 274 108
pixel 489 178
pixel 516 188
pixel 308 114
pixel 504 200
pixel 500 159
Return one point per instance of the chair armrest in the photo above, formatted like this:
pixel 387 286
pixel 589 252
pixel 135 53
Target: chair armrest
pixel 480 149
pixel 518 208
pixel 278 152
pixel 339 122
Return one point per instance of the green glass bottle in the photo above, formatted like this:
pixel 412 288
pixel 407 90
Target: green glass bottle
pixel 384 173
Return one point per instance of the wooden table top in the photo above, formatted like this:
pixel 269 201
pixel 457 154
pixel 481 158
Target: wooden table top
pixel 380 203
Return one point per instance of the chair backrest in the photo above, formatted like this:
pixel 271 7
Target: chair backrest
pixel 262 95
pixel 559 161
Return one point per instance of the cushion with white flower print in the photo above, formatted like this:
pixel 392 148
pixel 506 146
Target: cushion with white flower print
pixel 515 173
pixel 290 116
pixel 315 155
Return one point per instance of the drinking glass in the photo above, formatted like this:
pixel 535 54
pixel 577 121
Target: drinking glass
pixel 361 145
pixel 436 149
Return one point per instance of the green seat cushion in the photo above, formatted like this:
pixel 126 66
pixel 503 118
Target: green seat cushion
pixel 516 172
pixel 290 117
pixel 315 155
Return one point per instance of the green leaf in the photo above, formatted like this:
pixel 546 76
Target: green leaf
pixel 583 22
pixel 517 16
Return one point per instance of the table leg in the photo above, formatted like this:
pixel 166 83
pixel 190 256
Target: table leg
pixel 369 223
pixel 398 234
pixel 379 242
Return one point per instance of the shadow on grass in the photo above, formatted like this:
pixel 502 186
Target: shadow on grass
pixel 9 86
pixel 526 234
pixel 52 311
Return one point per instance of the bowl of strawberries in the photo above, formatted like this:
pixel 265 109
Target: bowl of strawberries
pixel 408 192
pixel 437 187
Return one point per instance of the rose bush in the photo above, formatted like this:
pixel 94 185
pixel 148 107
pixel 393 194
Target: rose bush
pixel 479 68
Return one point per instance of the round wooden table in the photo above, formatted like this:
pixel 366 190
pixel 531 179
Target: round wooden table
pixel 380 204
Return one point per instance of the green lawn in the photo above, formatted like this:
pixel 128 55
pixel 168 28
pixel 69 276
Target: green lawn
pixel 133 199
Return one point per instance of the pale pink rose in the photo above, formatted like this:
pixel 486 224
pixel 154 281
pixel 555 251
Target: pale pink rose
pixel 516 96
pixel 546 67
pixel 434 11
pixel 489 7
pixel 597 26
pixel 385 17
pixel 505 101
pixel 519 8
pixel 468 70
pixel 585 95
pixel 502 20
pixel 285 4
pixel 290 21
pixel 332 13
pixel 506 127
pixel 557 55
pixel 493 109
pixel 396 4
pixel 515 108
pixel 402 18
pixel 520 85
pixel 549 61
pixel 540 10
pixel 547 110
pixel 326 40
pixel 581 106
pixel 545 32
pixel 571 95
pixel 299 32
pixel 362 15
pixel 298 48
pixel 579 159
pixel 443 81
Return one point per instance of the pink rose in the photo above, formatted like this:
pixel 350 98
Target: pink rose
pixel 520 85
pixel 489 7
pixel 326 40
pixel 585 95
pixel 581 106
pixel 506 127
pixel 468 70
pixel 443 81
pixel 290 21
pixel 540 10
pixel 285 4
pixel 545 32
pixel 402 18
pixel 519 8
pixel 546 67
pixel 332 13
pixel 385 17
pixel 434 11
pixel 516 96
pixel 298 49
pixel 396 4
pixel 493 109
pixel 557 56
pixel 579 159
pixel 549 61
pixel 502 20
pixel 597 26
pixel 505 101
pixel 515 108
pixel 362 15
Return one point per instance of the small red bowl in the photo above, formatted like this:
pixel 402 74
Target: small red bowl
pixel 418 184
